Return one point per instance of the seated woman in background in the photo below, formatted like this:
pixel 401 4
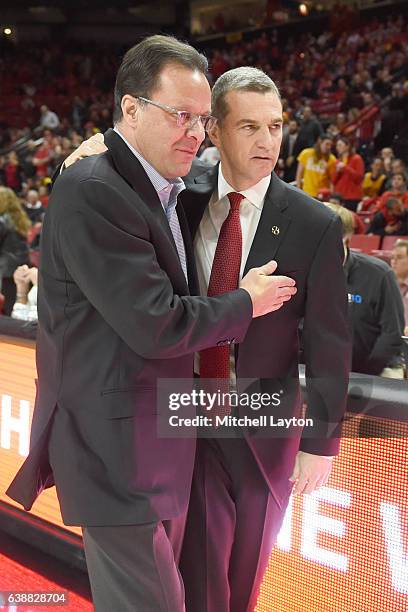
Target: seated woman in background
pixel 25 306
pixel 14 226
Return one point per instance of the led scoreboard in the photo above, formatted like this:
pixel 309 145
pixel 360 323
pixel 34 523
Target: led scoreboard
pixel 343 549
pixel 17 394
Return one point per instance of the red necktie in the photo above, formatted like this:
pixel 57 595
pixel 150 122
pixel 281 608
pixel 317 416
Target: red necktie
pixel 215 361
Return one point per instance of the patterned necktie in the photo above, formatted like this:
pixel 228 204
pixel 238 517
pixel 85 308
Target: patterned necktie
pixel 215 361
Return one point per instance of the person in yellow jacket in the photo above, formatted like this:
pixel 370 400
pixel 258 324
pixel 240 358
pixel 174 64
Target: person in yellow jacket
pixel 315 166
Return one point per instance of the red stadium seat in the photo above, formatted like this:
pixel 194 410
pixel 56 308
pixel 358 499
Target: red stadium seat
pixel 362 242
pixel 389 241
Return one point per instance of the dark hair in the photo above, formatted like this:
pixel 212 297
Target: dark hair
pixel 344 139
pixel 400 174
pixel 347 142
pixel 317 150
pixel 392 202
pixel 141 66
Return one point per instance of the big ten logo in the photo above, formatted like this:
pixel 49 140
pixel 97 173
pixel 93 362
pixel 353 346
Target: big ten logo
pixel 15 424
pixel 314 522
pixel 355 298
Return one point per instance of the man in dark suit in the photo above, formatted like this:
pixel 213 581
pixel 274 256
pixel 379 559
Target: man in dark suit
pixel 116 314
pixel 241 486
pixel 242 481
pixel 289 152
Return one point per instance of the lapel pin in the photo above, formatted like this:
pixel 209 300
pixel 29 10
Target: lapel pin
pixel 275 230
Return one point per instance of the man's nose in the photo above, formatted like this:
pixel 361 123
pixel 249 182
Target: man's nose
pixel 196 130
pixel 265 138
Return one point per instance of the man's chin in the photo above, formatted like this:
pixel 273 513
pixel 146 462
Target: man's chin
pixel 184 168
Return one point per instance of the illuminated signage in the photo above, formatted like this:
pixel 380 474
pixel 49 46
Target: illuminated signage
pixel 17 395
pixel 343 549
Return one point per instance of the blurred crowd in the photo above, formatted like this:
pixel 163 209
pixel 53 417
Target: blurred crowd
pixel 345 140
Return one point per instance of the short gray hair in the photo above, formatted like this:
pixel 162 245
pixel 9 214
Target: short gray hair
pixel 244 78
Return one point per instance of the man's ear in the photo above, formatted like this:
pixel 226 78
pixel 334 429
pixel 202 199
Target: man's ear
pixel 214 132
pixel 130 110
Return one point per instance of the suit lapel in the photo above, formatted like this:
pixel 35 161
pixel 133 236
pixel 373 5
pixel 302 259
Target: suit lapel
pixel 129 167
pixel 197 196
pixel 272 226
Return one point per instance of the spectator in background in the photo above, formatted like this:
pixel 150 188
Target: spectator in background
pixel 14 226
pixel 33 207
pixel 399 263
pixel 310 129
pixel 368 123
pixel 387 155
pixel 41 160
pixel 315 167
pixel 13 173
pixel 25 306
pixel 210 155
pixel 358 225
pixel 348 174
pixel 391 220
pixel 49 119
pixel 376 311
pixel 398 191
pixel 397 167
pixel 43 193
pixel 373 181
pixel 289 152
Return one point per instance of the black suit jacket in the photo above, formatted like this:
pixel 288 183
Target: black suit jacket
pixel 289 173
pixel 115 315
pixel 305 238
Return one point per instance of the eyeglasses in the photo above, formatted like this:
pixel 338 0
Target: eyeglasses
pixel 184 119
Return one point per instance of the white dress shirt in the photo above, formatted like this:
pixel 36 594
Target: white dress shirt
pixel 206 239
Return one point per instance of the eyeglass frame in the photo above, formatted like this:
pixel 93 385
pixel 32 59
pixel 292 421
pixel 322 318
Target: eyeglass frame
pixel 190 123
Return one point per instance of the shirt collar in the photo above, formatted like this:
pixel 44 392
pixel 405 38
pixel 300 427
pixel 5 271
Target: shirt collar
pixel 166 190
pixel 255 194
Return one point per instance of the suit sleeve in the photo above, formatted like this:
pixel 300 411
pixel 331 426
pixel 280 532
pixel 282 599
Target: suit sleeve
pixel 390 315
pixel 119 274
pixel 327 344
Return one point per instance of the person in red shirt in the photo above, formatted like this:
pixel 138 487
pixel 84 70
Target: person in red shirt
pixel 398 191
pixel 348 174
pixel 41 159
pixel 13 174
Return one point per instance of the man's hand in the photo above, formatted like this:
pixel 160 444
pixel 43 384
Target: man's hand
pixel 22 279
pixel 310 472
pixel 268 293
pixel 93 146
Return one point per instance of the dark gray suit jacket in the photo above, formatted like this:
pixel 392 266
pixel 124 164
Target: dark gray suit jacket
pixel 115 315
pixel 305 238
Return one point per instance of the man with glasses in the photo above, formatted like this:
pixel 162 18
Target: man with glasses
pixel 116 314
pixel 243 479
